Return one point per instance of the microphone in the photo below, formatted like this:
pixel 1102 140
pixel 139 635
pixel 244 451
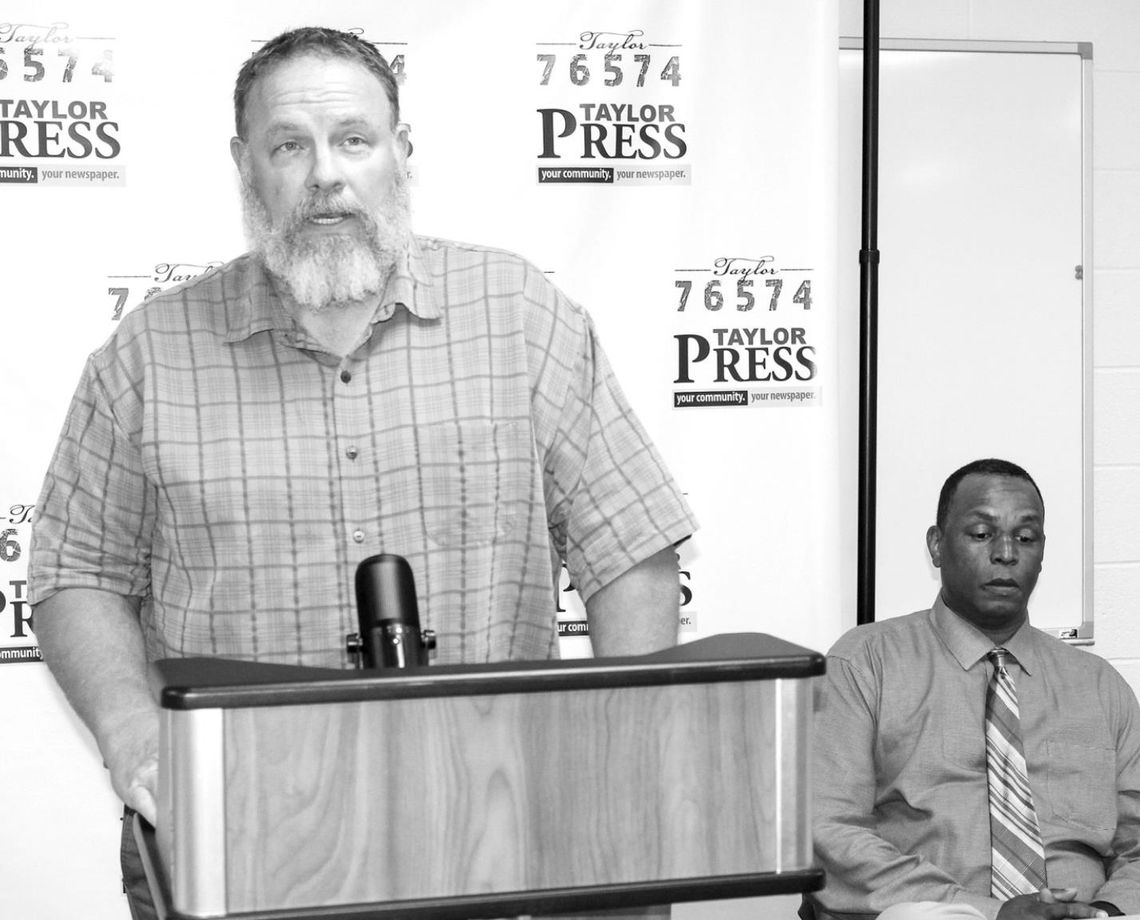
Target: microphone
pixel 389 619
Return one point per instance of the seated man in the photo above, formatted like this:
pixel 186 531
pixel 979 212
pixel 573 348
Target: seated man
pixel 976 767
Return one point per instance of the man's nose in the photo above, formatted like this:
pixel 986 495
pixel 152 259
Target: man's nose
pixel 324 172
pixel 1004 550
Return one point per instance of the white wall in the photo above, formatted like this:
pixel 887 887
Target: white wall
pixel 1113 26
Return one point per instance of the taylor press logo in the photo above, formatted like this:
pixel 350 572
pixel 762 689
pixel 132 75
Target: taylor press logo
pixel 15 613
pixel 58 119
pixel 127 290
pixel 610 111
pixel 748 321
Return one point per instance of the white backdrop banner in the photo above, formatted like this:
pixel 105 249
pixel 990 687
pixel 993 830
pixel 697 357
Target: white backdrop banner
pixel 670 165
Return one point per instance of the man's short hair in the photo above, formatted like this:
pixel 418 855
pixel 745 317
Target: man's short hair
pixel 312 40
pixel 991 466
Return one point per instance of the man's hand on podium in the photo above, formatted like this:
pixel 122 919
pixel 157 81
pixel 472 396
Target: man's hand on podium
pixel 130 752
pixel 92 641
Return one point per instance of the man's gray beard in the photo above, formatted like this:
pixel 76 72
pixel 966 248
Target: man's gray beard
pixel 337 268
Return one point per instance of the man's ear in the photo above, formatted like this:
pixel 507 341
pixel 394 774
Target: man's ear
pixel 403 140
pixel 237 151
pixel 934 545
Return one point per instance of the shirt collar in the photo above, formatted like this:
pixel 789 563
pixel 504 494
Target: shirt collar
pixel 409 286
pixel 253 305
pixel 249 300
pixel 969 645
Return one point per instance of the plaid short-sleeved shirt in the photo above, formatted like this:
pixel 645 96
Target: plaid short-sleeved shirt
pixel 216 463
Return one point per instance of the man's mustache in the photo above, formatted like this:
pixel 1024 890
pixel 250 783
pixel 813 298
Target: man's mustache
pixel 326 206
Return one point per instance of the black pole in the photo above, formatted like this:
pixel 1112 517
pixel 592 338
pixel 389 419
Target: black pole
pixel 869 315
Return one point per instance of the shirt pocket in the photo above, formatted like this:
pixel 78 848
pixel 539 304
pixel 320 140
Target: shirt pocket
pixel 1081 784
pixel 475 480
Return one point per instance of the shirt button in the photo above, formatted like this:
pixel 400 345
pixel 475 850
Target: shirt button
pixel 351 453
pixel 358 536
pixel 345 376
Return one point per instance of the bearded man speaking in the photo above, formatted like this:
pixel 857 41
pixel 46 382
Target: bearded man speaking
pixel 243 441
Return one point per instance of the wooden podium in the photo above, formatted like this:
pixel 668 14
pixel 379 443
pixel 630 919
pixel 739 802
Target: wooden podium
pixel 483 790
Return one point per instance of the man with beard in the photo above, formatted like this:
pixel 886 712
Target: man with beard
pixel 243 441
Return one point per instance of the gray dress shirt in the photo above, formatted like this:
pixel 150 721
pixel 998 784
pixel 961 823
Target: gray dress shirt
pixel 901 807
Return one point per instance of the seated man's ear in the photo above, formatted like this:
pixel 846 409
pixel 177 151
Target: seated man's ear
pixel 934 545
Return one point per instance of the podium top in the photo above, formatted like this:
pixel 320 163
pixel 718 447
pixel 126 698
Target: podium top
pixel 226 683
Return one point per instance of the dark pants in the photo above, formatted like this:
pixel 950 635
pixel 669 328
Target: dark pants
pixel 134 877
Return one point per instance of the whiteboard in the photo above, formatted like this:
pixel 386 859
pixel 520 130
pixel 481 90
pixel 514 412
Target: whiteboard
pixel 984 300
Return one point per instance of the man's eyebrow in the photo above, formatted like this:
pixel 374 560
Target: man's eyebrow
pixel 284 126
pixel 988 516
pixel 287 125
pixel 355 121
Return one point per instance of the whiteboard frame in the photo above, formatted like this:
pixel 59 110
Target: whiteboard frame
pixel 1083 632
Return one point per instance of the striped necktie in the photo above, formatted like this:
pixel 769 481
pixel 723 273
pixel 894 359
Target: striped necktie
pixel 1016 853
